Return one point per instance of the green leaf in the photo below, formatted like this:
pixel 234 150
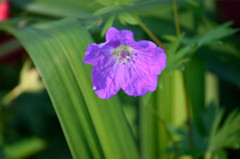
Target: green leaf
pixel 9 46
pixel 217 33
pixel 223 60
pixel 213 35
pixel 173 46
pixel 169 103
pixel 94 128
pixel 226 135
pixel 115 2
pixel 107 2
pixel 216 124
pixel 195 77
pixel 177 56
pixel 220 155
pixel 24 148
pixel 58 8
pixel 105 10
pixel 13 22
pixel 107 25
pixel 182 52
pixel 126 18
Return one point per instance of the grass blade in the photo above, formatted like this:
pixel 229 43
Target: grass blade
pixel 94 128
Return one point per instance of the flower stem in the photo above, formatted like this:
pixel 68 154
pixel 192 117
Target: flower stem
pixel 150 34
pixel 175 9
pixel 154 111
pixel 166 129
pixel 190 132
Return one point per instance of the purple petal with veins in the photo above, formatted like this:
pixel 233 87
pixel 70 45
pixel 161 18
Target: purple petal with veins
pixel 122 63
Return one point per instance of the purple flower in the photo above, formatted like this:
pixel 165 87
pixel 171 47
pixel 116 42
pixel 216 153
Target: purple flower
pixel 121 62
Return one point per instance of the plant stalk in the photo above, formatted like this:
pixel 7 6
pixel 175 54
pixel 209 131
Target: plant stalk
pixel 13 94
pixel 187 108
pixel 166 129
pixel 150 34
pixel 175 9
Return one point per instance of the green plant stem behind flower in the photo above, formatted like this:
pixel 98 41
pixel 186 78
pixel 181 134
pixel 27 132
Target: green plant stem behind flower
pixel 150 34
pixel 187 108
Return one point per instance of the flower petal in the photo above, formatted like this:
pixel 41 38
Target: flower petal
pixel 149 56
pixel 104 78
pixel 135 70
pixel 111 34
pixel 137 82
pixel 126 34
pixel 96 52
pixel 143 44
pixel 92 55
pixel 123 36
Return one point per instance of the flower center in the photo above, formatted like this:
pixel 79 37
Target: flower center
pixel 124 54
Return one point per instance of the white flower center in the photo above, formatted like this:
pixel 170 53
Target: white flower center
pixel 124 54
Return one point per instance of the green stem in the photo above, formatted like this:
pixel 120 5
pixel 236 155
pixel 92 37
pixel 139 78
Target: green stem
pixel 159 43
pixel 165 128
pixel 190 132
pixel 150 34
pixel 1 125
pixel 187 108
pixel 13 94
pixel 208 155
pixel 175 9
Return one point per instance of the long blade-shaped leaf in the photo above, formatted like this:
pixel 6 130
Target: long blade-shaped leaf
pixel 169 104
pixel 94 128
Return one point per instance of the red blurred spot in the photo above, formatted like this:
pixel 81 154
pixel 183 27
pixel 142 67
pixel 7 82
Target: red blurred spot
pixel 123 56
pixel 4 10
pixel 15 55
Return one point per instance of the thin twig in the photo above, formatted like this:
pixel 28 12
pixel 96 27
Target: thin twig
pixel 175 9
pixel 150 34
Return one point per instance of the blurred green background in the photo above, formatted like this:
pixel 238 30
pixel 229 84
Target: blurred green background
pixel 29 127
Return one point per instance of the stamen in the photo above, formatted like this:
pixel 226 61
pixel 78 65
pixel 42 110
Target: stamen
pixel 124 54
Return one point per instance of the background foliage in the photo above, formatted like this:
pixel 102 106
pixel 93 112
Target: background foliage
pixel 192 114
